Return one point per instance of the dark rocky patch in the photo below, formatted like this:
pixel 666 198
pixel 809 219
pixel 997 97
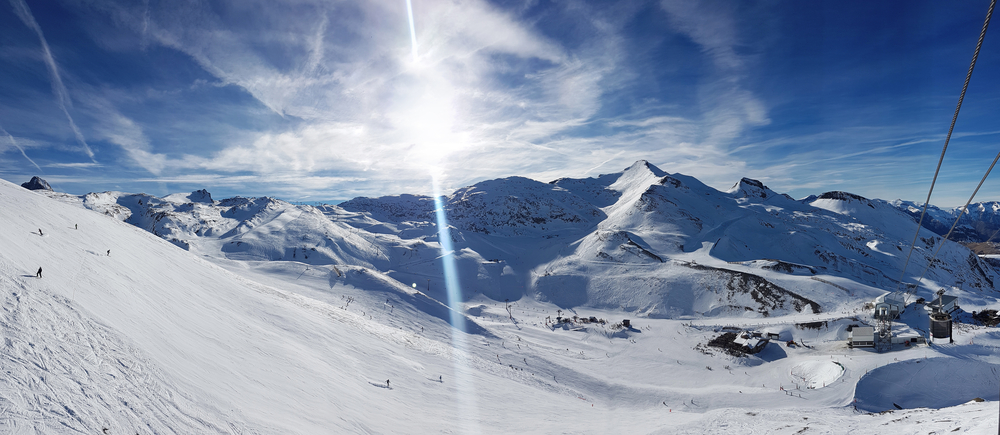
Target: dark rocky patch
pixel 770 296
pixel 36 183
pixel 725 342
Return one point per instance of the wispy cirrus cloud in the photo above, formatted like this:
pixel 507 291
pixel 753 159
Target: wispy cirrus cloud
pixel 729 108
pixel 330 91
pixel 111 125
pixel 87 165
pixel 365 105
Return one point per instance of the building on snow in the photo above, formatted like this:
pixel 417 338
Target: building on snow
pixel 751 341
pixel 944 304
pixel 862 336
pixel 889 305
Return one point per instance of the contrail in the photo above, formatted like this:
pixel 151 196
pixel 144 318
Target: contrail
pixel 62 96
pixel 11 137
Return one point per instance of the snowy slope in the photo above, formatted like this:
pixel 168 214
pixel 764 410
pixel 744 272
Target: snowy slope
pixel 154 336
pixel 157 339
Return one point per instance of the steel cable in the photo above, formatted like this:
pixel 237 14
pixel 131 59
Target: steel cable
pixel 947 139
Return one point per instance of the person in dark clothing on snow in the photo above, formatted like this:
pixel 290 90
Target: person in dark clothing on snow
pixel 109 252
pixel 40 232
pixel 39 273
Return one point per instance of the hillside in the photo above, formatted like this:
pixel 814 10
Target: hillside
pixel 588 242
pixel 253 315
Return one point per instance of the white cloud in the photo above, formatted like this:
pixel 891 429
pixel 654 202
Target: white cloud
pixel 111 125
pixel 74 165
pixel 366 104
pixel 729 109
pixel 489 96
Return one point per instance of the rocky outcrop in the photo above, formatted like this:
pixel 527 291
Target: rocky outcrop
pixel 36 183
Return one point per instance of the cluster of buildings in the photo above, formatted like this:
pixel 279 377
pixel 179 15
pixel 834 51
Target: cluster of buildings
pixel 888 307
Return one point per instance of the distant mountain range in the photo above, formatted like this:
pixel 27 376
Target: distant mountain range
pixel 643 240
pixel 977 224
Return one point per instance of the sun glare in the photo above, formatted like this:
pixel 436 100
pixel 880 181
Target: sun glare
pixel 428 121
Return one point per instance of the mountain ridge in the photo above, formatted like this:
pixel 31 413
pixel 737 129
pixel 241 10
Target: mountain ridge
pixel 570 241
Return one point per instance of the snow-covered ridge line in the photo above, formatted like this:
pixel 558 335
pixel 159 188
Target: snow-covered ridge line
pixel 561 241
pixel 294 319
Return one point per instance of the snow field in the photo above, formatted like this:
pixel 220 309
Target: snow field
pixel 816 374
pixel 277 347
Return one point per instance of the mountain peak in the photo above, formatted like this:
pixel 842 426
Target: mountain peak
pixel 643 165
pixel 748 187
pixel 841 202
pixel 201 196
pixel 36 183
pixel 845 196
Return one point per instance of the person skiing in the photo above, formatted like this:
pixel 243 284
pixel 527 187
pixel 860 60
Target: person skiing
pixel 39 273
pixel 40 232
pixel 109 252
pixel 76 226
pixel 387 383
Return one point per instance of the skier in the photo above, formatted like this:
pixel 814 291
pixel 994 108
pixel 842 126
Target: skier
pixel 39 273
pixel 40 232
pixel 76 226
pixel 109 252
pixel 387 383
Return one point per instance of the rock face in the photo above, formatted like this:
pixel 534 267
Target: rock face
pixel 750 188
pixel 36 183
pixel 198 196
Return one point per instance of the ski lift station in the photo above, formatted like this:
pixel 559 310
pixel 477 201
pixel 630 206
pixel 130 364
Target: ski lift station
pixel 889 305
pixel 940 315
pixel 887 309
pixel 944 304
pixel 862 336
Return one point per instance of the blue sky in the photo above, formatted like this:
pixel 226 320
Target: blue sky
pixel 326 100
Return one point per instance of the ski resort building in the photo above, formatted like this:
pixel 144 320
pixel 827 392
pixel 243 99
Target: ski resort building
pixel 889 305
pixel 751 341
pixel 862 336
pixel 944 304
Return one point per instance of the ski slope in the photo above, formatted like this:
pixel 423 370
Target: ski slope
pixel 156 339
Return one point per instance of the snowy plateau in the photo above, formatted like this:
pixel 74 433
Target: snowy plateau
pixel 190 315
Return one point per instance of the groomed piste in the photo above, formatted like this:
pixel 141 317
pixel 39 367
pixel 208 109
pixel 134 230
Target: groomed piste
pixel 928 383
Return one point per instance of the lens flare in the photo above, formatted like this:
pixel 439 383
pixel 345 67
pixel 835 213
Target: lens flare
pixel 413 32
pixel 466 397
pixel 428 122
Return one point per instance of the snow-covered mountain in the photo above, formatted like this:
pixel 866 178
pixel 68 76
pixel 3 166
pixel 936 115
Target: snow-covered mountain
pixel 260 316
pixel 979 222
pixel 630 240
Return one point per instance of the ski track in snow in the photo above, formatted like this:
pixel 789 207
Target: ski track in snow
pixel 64 372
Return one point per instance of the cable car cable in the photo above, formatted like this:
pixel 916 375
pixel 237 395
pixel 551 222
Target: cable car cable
pixel 947 139
pixel 960 214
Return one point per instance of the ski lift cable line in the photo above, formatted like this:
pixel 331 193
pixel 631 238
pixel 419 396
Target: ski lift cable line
pixel 960 214
pixel 954 118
